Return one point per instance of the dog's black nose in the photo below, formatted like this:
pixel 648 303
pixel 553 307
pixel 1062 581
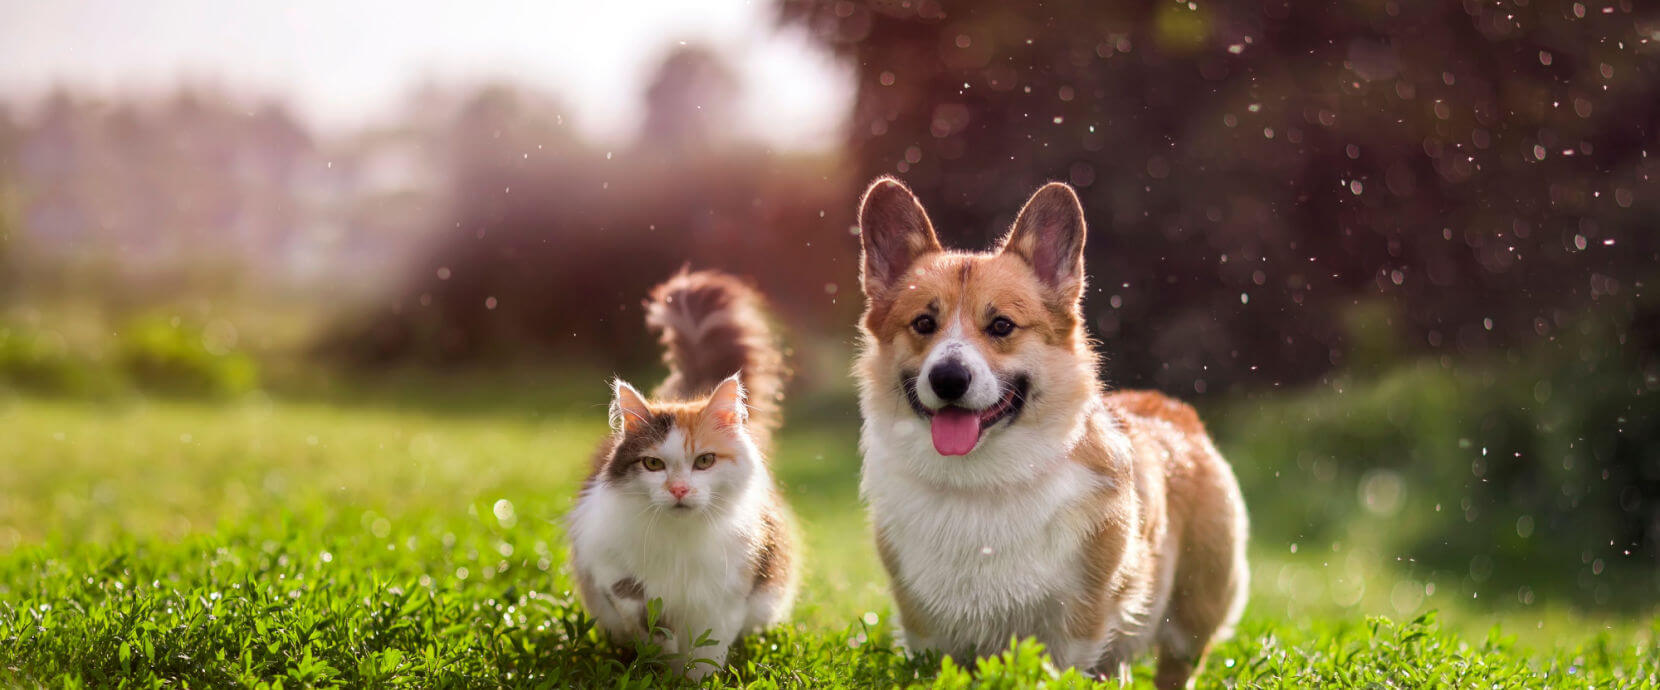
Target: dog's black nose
pixel 949 379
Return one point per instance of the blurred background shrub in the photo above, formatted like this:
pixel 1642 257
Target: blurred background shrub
pixel 150 354
pixel 164 354
pixel 1534 468
pixel 41 362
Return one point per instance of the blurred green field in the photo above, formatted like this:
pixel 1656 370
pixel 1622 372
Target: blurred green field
pixel 396 537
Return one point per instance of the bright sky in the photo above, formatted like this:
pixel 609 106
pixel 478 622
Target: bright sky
pixel 347 62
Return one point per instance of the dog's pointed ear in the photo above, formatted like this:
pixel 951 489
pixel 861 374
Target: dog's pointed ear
pixel 893 233
pixel 629 412
pixel 1049 235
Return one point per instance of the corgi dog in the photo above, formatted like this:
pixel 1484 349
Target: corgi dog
pixel 679 505
pixel 1010 494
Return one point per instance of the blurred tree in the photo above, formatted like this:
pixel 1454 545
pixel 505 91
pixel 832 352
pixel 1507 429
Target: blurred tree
pixel 550 245
pixel 689 105
pixel 8 190
pixel 1252 170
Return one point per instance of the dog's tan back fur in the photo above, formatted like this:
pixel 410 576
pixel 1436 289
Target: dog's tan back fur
pixel 1203 508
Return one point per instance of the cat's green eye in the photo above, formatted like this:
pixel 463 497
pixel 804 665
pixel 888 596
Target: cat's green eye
pixel 652 464
pixel 704 461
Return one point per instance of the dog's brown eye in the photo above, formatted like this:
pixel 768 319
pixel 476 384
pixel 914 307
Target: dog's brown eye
pixel 923 324
pixel 652 464
pixel 1000 326
pixel 704 461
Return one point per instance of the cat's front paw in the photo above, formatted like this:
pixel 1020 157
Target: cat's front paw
pixel 700 669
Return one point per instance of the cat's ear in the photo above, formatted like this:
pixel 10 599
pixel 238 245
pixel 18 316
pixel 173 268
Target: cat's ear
pixel 629 413
pixel 726 405
pixel 894 232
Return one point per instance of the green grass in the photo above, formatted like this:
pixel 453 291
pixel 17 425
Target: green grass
pixel 416 542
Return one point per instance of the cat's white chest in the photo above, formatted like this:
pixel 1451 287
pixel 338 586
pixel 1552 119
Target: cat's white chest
pixel 685 560
pixel 702 566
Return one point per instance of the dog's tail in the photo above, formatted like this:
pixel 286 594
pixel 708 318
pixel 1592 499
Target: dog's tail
pixel 713 325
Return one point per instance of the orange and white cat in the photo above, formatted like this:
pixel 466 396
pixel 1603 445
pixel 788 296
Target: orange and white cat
pixel 680 505
pixel 1010 494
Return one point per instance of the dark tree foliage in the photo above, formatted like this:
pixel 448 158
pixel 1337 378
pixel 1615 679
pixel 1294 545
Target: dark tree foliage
pixel 1471 174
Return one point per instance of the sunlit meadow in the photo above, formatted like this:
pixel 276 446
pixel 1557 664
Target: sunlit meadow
pixel 386 539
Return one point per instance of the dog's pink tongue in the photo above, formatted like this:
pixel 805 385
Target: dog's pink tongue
pixel 956 430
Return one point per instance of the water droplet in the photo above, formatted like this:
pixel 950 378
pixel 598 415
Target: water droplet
pixel 504 513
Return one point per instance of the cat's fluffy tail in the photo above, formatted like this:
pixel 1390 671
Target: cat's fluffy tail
pixel 712 325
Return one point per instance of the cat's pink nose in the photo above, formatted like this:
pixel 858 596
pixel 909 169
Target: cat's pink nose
pixel 679 490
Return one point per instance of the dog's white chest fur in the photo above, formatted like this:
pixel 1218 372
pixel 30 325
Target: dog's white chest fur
pixel 985 563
